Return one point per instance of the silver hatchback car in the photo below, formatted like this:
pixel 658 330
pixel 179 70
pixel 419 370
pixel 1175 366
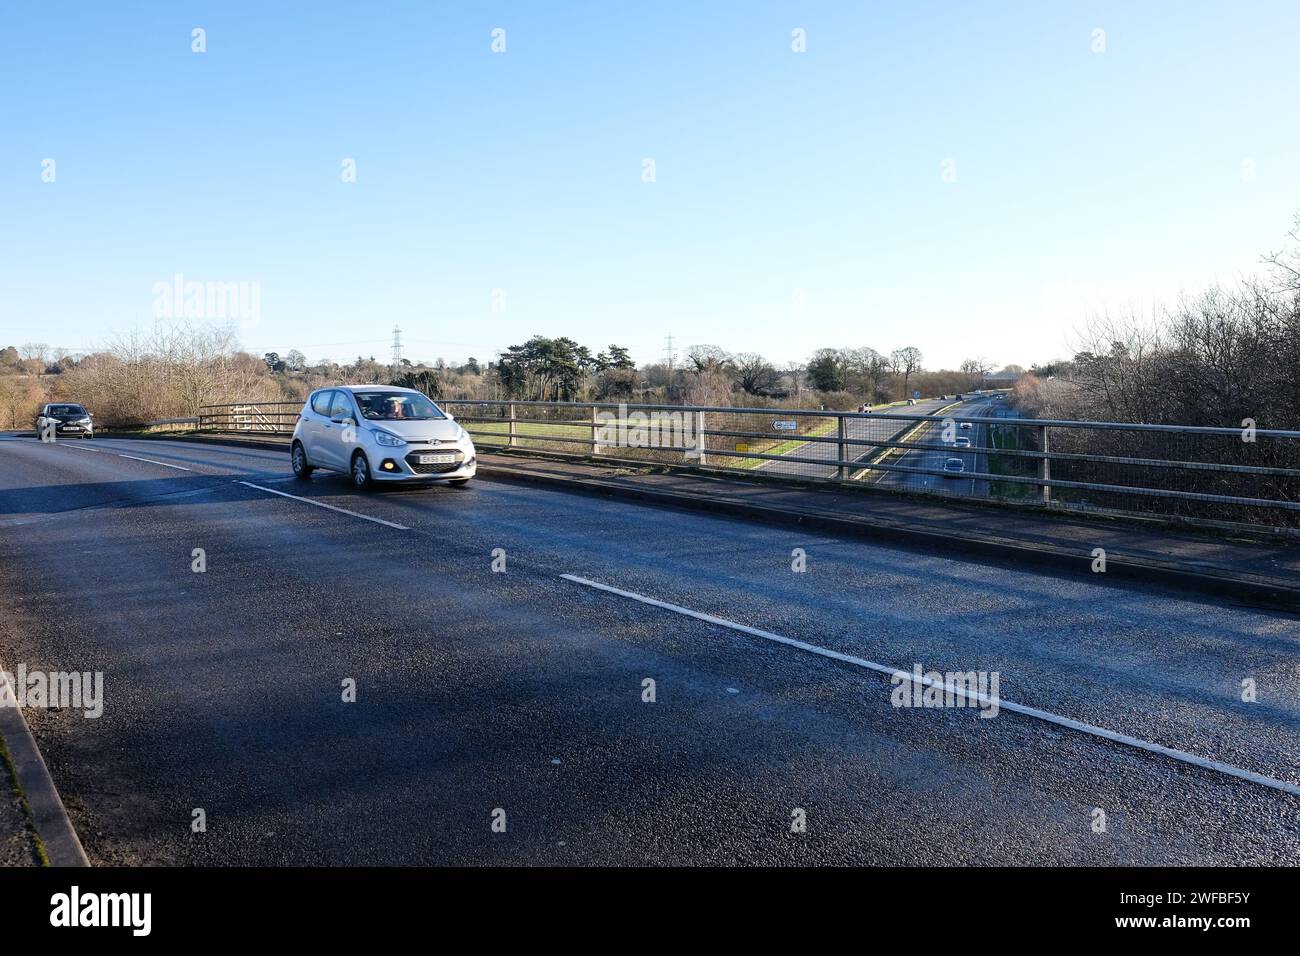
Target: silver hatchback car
pixel 380 433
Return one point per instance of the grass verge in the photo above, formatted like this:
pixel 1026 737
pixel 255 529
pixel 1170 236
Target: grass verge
pixel 1009 438
pixel 782 447
pixel 38 846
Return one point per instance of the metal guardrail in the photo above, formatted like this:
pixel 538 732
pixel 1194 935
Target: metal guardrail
pixel 1218 476
pixel 261 417
pixel 1203 475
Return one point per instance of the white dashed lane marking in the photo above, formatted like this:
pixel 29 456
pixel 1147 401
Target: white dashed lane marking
pixel 120 455
pixel 321 504
pixel 152 462
pixel 1043 715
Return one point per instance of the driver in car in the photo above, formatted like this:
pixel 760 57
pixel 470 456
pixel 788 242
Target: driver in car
pixel 396 409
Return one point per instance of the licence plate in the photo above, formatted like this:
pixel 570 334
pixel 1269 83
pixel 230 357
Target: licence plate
pixel 437 459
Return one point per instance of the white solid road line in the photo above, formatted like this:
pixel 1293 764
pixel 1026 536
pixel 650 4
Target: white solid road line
pixel 321 504
pixel 151 461
pixel 1033 712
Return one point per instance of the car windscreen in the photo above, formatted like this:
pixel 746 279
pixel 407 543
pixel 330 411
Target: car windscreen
pixel 396 407
pixel 67 410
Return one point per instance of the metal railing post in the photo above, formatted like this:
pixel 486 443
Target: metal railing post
pixel 510 443
pixel 841 454
pixel 1045 469
pixel 699 438
pixel 595 430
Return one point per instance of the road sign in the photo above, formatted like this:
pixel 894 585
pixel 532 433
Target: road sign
pixel 916 393
pixel 785 426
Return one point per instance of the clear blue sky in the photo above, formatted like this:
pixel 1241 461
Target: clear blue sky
pixel 1083 180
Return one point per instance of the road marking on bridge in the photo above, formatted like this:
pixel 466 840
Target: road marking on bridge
pixel 1069 722
pixel 321 504
pixel 152 462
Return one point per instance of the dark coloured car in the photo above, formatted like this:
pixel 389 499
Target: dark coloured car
pixel 64 420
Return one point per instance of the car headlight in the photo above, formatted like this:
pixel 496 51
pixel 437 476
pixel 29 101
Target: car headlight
pixel 387 438
pixel 83 421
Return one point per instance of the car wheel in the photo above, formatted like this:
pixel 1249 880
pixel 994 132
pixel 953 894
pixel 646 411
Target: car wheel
pixel 361 479
pixel 298 458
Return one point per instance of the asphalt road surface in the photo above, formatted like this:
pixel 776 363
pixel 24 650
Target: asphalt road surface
pixel 867 429
pixel 932 434
pixel 524 694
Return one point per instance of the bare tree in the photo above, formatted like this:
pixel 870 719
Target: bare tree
pixel 1286 261
pixel 867 371
pixel 1115 369
pixel 755 374
pixel 795 372
pixel 707 387
pixel 906 362
pixel 978 369
pixel 708 358
pixel 168 371
pixel 20 399
pixel 36 357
